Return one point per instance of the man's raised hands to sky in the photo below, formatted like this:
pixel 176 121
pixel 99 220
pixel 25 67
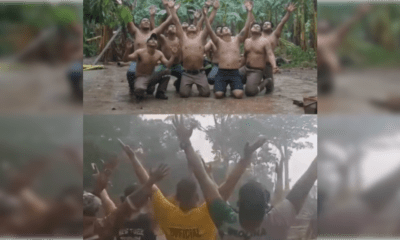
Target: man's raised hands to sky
pixel 209 188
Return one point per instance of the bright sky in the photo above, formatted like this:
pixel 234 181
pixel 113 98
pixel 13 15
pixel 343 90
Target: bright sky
pixel 297 166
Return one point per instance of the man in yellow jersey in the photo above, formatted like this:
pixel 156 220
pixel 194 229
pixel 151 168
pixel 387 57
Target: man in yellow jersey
pixel 184 219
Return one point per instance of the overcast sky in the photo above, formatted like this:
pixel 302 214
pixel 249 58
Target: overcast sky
pixel 297 166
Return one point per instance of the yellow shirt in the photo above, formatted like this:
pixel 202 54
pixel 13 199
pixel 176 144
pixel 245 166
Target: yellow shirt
pixel 176 224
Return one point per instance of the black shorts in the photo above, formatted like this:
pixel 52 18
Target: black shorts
pixel 225 77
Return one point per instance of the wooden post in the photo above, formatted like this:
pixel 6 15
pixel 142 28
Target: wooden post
pixel 107 46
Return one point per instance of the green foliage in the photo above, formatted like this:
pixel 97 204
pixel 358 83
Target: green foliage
pixel 296 55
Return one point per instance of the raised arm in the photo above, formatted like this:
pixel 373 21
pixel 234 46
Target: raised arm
pixel 245 31
pixel 300 190
pixel 128 50
pixel 132 28
pixel 140 171
pixel 160 29
pixel 198 19
pixel 214 11
pixel 209 188
pixel 152 12
pixel 342 31
pixel 179 29
pixel 226 189
pixel 168 63
pixel 279 28
pixel 134 202
pixel 209 30
pixel 108 205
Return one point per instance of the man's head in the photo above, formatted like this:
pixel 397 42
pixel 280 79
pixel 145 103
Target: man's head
pixel 226 31
pixel 218 31
pixel 255 28
pixel 185 26
pixel 192 29
pixel 186 193
pixel 128 191
pixel 267 27
pixel 324 27
pixel 171 29
pixel 144 24
pixel 91 204
pixel 252 203
pixel 152 41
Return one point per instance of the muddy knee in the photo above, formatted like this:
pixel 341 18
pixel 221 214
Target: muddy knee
pixel 184 94
pixel 219 95
pixel 251 91
pixel 237 93
pixel 205 94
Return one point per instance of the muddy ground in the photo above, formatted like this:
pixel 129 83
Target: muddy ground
pixel 359 91
pixel 106 92
pixel 36 88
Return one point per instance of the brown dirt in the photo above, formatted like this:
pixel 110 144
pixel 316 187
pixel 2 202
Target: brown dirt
pixel 106 92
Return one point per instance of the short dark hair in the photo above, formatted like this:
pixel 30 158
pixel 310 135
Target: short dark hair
pixel 272 25
pixel 129 190
pixel 253 201
pixel 185 190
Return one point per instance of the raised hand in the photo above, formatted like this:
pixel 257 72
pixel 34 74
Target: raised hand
pixel 216 4
pixel 128 45
pixel 197 14
pixel 128 150
pixel 182 132
pixel 171 4
pixel 249 149
pixel 102 179
pixel 291 7
pixel 208 3
pixel 174 50
pixel 158 174
pixel 177 6
pixel 249 5
pixel 152 10
pixel 165 2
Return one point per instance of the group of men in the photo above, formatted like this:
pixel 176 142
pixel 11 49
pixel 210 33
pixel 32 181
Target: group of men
pixel 183 48
pixel 184 216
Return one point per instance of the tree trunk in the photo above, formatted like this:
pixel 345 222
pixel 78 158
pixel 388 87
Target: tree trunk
pixel 277 197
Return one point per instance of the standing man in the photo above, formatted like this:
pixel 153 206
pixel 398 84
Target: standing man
pixel 229 54
pixel 147 59
pixel 257 52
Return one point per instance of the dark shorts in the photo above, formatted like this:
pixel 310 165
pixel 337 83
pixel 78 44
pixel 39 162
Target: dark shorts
pixel 225 77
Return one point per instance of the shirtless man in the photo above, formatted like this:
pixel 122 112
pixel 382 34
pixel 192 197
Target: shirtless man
pixel 229 56
pixel 168 41
pixel 147 59
pixel 328 42
pixel 257 52
pixel 212 51
pixel 273 36
pixel 192 52
pixel 141 35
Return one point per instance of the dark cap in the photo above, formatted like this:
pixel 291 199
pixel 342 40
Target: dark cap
pixel 152 36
